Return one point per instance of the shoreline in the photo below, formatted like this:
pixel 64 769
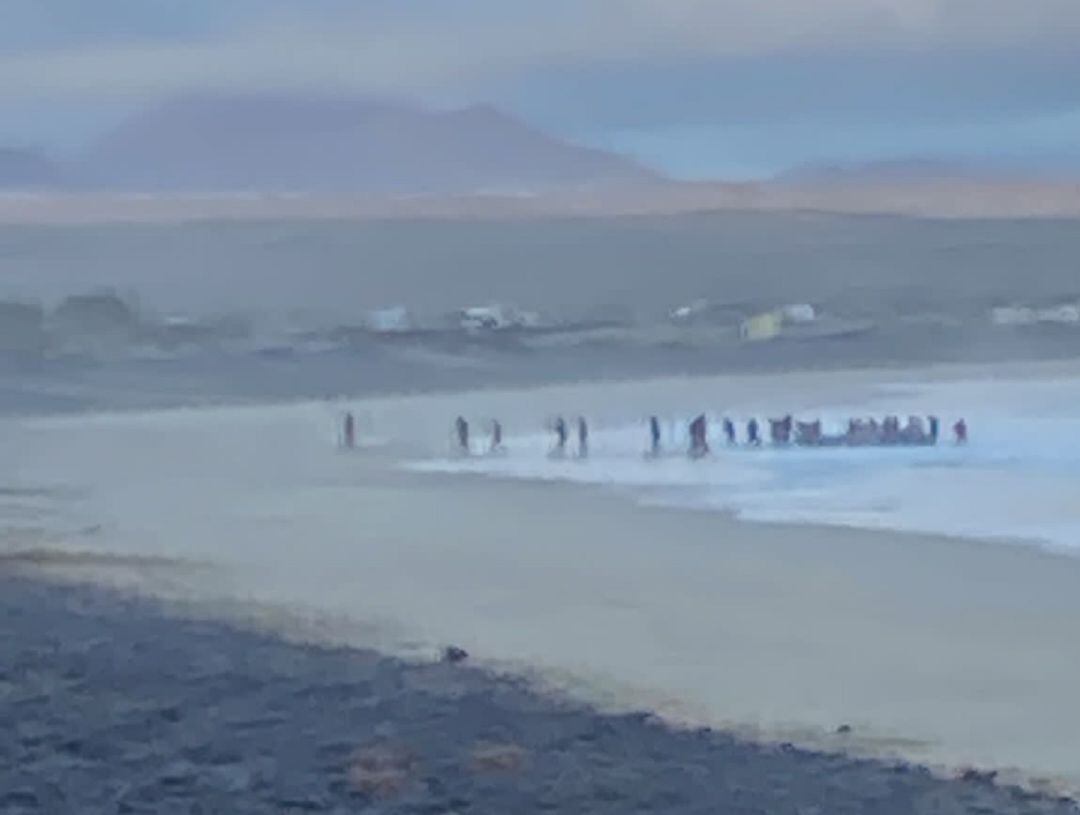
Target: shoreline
pixel 844 374
pixel 948 199
pixel 321 728
pixel 838 567
pixel 950 651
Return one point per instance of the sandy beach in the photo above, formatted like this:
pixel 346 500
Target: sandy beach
pixel 608 407
pixel 943 651
pixel 114 705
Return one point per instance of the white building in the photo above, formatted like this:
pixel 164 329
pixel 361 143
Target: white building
pixel 389 320
pixel 495 317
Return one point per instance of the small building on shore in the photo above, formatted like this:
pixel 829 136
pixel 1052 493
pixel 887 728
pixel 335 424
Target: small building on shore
pixel 393 320
pixel 495 317
pixel 762 327
pixel 1015 315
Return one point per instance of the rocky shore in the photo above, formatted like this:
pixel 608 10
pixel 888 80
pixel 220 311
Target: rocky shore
pixel 111 705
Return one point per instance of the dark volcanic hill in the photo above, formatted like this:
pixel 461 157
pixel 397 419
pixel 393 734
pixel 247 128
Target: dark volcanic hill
pixel 339 145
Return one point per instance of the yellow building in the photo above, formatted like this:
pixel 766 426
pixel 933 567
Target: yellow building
pixel 761 327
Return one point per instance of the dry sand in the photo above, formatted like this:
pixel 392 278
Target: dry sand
pixel 943 198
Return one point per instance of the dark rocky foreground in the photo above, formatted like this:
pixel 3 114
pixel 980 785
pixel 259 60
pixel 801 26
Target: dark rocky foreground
pixel 110 705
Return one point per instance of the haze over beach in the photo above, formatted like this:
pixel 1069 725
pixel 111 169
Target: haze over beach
pixel 595 406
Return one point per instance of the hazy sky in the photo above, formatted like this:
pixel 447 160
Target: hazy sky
pixel 699 87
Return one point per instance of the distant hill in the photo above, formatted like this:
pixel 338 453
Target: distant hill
pixel 892 171
pixel 264 143
pixel 26 169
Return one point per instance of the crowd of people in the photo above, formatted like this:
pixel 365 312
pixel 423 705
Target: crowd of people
pixel 860 432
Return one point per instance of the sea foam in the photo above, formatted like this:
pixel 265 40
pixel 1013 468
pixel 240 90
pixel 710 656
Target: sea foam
pixel 1017 479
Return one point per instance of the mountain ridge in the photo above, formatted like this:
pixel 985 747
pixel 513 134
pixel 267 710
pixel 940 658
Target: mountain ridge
pixel 338 145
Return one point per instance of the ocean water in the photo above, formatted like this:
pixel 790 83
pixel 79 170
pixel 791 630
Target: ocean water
pixel 1017 479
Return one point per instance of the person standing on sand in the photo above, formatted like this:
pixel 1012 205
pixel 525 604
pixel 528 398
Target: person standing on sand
pixel 349 434
pixel 496 436
pixel 933 422
pixel 582 437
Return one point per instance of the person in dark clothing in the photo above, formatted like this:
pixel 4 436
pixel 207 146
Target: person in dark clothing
pixel 932 421
pixel 654 435
pixel 560 435
pixel 752 433
pixel 496 435
pixel 349 438
pixel 890 430
pixel 729 431
pixel 462 428
pixel 960 431
pixel 699 442
pixel 582 437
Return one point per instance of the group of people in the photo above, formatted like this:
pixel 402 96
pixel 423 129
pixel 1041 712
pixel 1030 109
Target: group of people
pixel 859 433
pixel 562 434
pixel 464 444
pixel 559 426
pixel 698 433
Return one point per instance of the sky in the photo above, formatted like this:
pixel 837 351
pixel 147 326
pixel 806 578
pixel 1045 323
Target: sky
pixel 698 88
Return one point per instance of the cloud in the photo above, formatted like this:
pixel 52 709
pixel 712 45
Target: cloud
pixel 779 77
pixel 424 46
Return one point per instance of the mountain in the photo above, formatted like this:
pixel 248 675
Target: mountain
pixel 299 144
pixel 26 169
pixel 892 170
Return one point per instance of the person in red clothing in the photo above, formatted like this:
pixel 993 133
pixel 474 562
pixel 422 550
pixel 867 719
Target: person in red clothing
pixel 960 431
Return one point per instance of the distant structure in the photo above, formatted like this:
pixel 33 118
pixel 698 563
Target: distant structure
pixel 689 312
pixel 798 313
pixel 770 324
pixel 391 320
pixel 761 327
pixel 799 321
pixel 1062 314
pixel 495 318
pixel 98 321
pixel 177 331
